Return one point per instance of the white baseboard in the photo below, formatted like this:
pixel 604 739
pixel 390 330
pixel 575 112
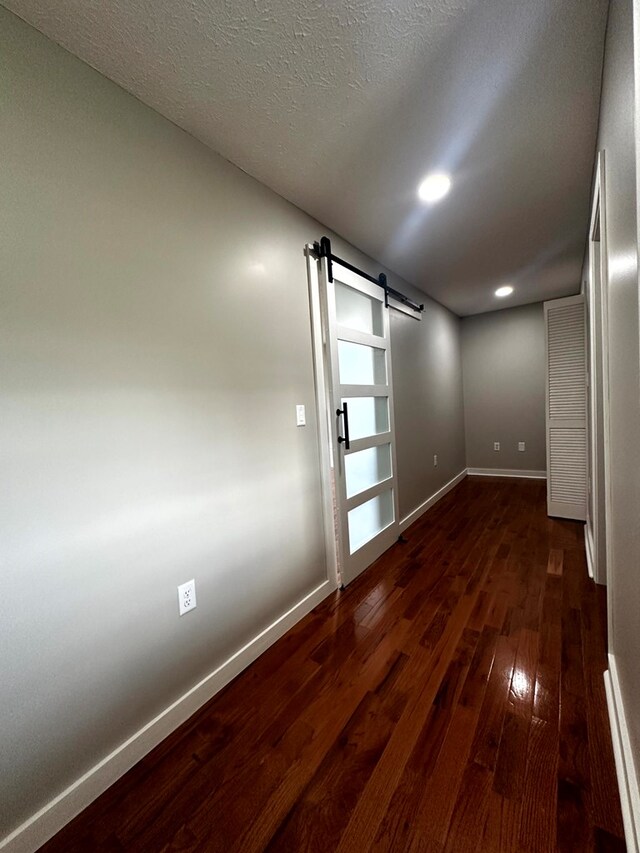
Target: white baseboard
pixel 41 826
pixel 507 472
pixel 588 550
pixel 420 510
pixel 625 765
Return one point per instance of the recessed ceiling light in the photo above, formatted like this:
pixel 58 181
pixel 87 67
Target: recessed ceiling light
pixel 507 290
pixel 434 187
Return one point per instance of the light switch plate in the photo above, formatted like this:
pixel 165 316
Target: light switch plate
pixel 521 445
pixel 301 417
pixel 496 445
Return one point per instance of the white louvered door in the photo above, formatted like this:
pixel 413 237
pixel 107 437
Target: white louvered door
pixel 566 408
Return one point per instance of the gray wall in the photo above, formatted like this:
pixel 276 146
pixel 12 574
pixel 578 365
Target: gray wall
pixel 617 139
pixel 427 382
pixel 503 356
pixel 155 338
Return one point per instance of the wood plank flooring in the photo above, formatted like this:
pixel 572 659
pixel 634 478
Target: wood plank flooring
pixel 451 699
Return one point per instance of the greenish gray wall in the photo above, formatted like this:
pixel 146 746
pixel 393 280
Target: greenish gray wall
pixel 155 338
pixel 503 355
pixel 618 140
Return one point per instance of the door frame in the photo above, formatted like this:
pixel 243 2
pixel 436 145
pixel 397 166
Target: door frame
pixel 599 438
pixel 325 450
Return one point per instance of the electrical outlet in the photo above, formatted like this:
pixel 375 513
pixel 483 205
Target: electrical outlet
pixel 496 445
pixel 435 460
pixel 186 597
pixel 521 445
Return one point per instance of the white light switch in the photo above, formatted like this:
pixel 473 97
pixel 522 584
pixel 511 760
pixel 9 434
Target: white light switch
pixel 521 445
pixel 301 418
pixel 496 445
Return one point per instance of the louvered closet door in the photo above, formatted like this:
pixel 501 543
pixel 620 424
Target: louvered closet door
pixel 566 408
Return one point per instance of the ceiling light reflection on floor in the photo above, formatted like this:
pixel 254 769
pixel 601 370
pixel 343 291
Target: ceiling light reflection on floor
pixel 520 684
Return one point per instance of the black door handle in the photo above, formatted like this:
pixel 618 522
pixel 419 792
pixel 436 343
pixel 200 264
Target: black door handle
pixel 345 413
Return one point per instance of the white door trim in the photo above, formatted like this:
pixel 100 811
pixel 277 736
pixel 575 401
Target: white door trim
pixel 599 363
pixel 327 480
pixel 601 189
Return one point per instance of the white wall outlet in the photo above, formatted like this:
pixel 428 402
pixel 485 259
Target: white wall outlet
pixel 496 445
pixel 186 597
pixel 521 445
pixel 435 460
pixel 301 417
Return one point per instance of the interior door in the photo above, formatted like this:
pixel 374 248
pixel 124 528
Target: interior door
pixel 358 359
pixel 566 408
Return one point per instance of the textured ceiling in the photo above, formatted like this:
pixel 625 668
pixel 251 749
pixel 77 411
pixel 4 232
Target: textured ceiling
pixel 342 106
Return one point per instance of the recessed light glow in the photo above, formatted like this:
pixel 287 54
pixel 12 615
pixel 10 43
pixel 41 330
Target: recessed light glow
pixel 507 290
pixel 434 187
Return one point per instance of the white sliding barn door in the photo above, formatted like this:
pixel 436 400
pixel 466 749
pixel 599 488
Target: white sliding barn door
pixel 566 407
pixel 354 384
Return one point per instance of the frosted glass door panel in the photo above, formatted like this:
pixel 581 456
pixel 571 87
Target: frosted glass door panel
pixel 367 468
pixel 356 363
pixel 369 519
pixel 367 416
pixel 358 311
pixel 361 365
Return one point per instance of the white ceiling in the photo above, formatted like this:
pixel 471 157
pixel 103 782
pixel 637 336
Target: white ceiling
pixel 342 106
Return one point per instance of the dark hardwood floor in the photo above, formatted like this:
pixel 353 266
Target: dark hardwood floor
pixel 451 699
